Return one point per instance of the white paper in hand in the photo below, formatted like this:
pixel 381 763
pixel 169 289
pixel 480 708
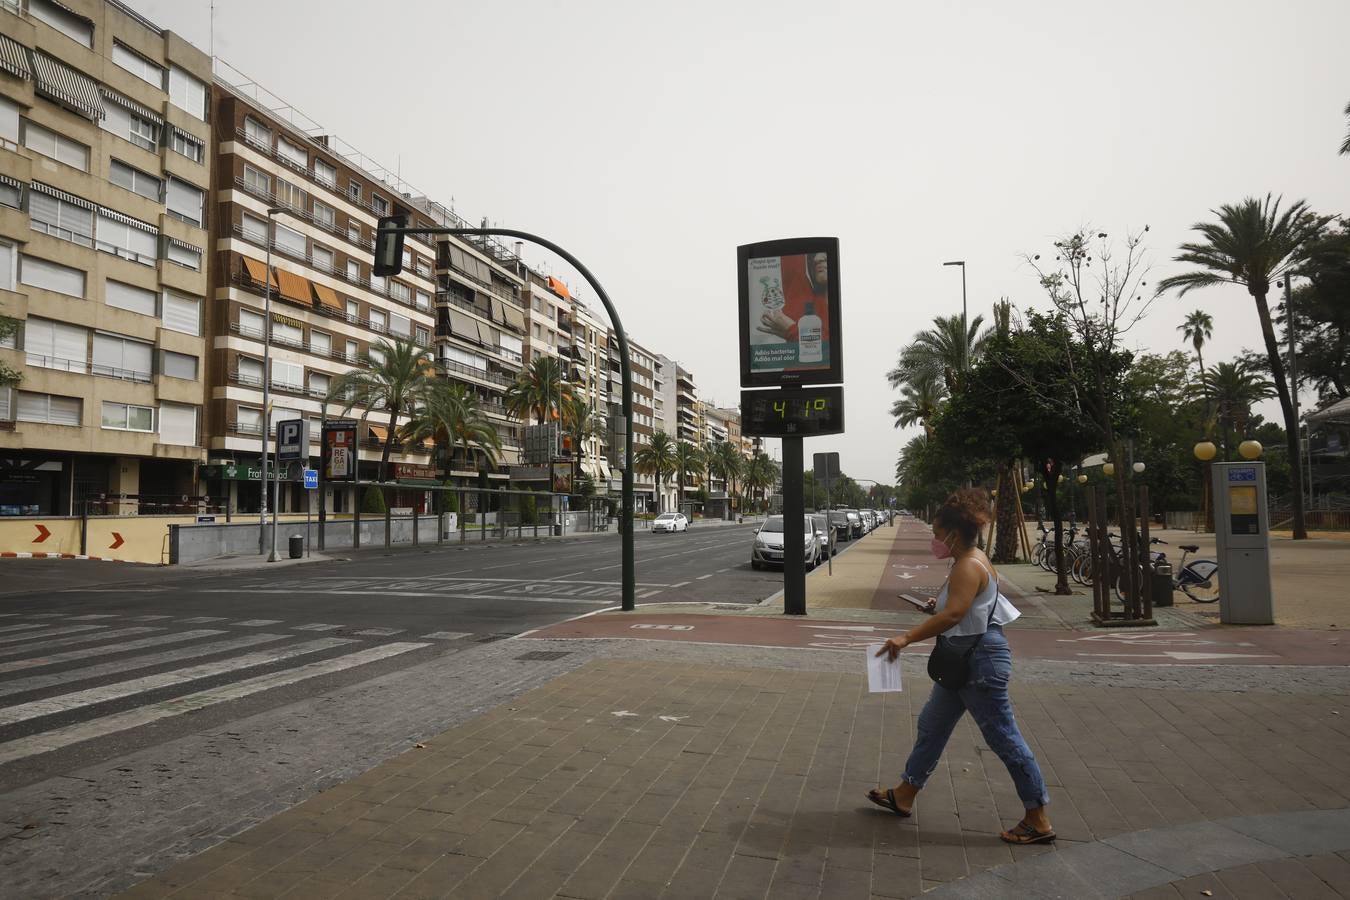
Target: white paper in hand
pixel 882 674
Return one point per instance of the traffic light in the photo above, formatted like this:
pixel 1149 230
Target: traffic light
pixel 389 245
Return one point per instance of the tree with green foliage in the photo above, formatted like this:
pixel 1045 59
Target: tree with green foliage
pixel 1322 307
pixel 1345 145
pixel 1233 389
pixel 1198 328
pixel 938 354
pixel 760 474
pixel 1253 244
pixel 452 416
pixel 657 458
pixel 538 390
pixel 688 460
pixel 918 404
pixel 372 501
pixel 392 376
pixel 580 423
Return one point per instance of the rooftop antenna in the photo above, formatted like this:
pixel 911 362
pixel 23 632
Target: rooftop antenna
pixel 211 29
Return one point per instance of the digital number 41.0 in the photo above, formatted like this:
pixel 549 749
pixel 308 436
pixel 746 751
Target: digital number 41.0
pixel 781 407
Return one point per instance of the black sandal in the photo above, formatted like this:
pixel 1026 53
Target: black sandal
pixel 887 801
pixel 1022 833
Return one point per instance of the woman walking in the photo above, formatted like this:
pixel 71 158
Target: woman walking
pixel 970 613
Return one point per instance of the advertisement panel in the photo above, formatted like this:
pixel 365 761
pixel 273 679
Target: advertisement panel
pixel 339 450
pixel 789 312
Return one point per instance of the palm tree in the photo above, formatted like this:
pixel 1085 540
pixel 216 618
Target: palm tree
pixel 453 417
pixel 1345 147
pixel 538 390
pixel 580 423
pixel 656 458
pixel 1253 244
pixel 1233 389
pixel 940 352
pixel 728 462
pixel 760 474
pixel 906 466
pixel 688 458
pixel 392 376
pixel 1198 328
pixel 917 405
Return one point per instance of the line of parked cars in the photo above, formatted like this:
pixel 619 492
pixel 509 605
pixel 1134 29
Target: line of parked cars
pixel 825 531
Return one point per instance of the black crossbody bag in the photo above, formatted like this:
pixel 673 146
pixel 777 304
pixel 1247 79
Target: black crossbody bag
pixel 950 667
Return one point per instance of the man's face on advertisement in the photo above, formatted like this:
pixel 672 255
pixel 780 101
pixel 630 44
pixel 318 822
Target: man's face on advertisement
pixel 820 269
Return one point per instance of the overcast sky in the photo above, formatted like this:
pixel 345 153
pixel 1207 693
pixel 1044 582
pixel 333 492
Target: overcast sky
pixel 651 139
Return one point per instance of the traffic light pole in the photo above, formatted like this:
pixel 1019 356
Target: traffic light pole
pixel 629 577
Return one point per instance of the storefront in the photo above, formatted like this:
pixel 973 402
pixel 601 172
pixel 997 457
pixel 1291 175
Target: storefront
pixel 35 484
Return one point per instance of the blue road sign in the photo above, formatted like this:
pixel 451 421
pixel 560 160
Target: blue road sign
pixel 311 479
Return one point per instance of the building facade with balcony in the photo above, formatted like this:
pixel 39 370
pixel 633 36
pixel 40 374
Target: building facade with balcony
pixel 284 195
pixel 104 171
pixel 587 373
pixel 643 363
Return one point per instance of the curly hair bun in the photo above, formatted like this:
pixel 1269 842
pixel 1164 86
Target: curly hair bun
pixel 964 512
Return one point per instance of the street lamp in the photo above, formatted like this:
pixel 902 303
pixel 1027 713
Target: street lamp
pixel 1138 468
pixel 1250 449
pixel 267 397
pixel 1205 450
pixel 965 335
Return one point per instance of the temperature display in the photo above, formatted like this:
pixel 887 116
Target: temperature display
pixel 793 413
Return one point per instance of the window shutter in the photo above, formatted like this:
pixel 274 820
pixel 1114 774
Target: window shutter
pixel 181 313
pixel 250 323
pixel 128 297
pixel 70 343
pixel 185 200
pixel 178 424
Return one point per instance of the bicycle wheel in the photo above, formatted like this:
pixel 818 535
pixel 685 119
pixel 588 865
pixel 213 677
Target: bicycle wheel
pixel 1037 554
pixel 1199 580
pixel 1080 569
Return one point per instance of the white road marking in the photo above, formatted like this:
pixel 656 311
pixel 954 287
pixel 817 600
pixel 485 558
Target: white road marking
pixel 27 627
pixel 254 623
pixel 49 632
pixel 317 626
pixel 150 618
pixel 102 694
pixel 702 577
pixel 202 620
pixel 77 639
pixel 624 714
pixel 447 635
pixel 111 724
pixel 443 596
pixel 839 628
pixel 564 577
pixel 645 594
pixel 662 627
pixel 1185 656
pixel 680 584
pixel 35 662
pixel 379 632
pixel 93 616
pixel 116 667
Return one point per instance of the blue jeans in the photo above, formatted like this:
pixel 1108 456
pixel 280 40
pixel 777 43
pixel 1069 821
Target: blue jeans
pixel 985 696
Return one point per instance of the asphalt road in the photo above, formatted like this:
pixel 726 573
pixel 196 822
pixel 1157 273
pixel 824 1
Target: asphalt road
pixel 98 659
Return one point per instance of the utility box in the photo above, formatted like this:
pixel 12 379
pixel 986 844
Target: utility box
pixel 1242 531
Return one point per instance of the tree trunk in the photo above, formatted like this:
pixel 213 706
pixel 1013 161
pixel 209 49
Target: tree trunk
pixel 1005 535
pixel 1286 407
pixel 1052 506
pixel 388 442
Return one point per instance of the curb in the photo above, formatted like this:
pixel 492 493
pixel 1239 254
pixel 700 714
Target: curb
pixel 23 555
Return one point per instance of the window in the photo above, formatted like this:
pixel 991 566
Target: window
pixel 185 144
pixel 130 298
pixel 61 218
pixel 187 93
pixel 250 323
pixel 321 258
pixel 377 320
pixel 288 375
pixel 290 240
pixel 319 383
pixel 423 267
pixel 286 333
pixel 10 195
pixel 122 357
pixel 354 232
pixel 248 421
pixel 400 292
pixel 320 344
pixel 379 205
pixel 178 424
pixel 137 129
pixel 138 65
pixel 55 345
pixel 463 358
pixel 292 153
pixel 256 132
pixel 41 273
pixel 354 191
pixel 250 371
pixel 57 146
pixel 353 311
pixel 48 409
pixel 182 313
pixel 8 263
pixel 178 365
pixel 257 180
pixel 324 215
pixel 352 351
pixel 376 356
pixel 134 180
pixel 423 337
pixel 377 283
pixel 254 228
pixel 9 124
pixel 290 195
pixel 423 300
pixel 400 325
pixel 324 173
pixel 353 270
pixel 184 201
pixel 6 404
pixel 124 417
pixel 183 254
pixel 119 236
pixel 407 258
pixel 75 27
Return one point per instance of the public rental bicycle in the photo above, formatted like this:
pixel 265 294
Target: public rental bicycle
pixel 1197 579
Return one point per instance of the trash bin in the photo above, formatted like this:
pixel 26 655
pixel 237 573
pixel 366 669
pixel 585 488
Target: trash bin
pixel 1162 584
pixel 297 543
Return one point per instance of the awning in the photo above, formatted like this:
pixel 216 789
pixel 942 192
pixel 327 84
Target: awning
pixel 463 326
pixel 184 245
pixel 514 317
pixel 127 220
pixel 558 287
pixel 62 195
pixel 257 271
pixel 327 297
pixel 130 105
pixel 63 84
pixel 498 311
pixel 486 335
pixel 380 432
pixel 12 182
pixel 14 57
pixel 293 286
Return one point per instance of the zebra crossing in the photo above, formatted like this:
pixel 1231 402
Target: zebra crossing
pixel 66 678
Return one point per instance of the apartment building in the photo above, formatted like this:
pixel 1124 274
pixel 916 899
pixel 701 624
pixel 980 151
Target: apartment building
pixel 688 416
pixel 588 374
pixel 643 363
pixel 104 169
pixel 285 198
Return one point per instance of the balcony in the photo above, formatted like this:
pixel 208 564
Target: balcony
pixel 84 367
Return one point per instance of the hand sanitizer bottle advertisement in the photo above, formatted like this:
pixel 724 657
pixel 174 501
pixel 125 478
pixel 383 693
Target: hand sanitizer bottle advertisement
pixel 809 346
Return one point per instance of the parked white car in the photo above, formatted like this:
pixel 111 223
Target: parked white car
pixel 669 523
pixel 767 549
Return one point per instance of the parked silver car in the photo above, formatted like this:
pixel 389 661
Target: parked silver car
pixel 767 547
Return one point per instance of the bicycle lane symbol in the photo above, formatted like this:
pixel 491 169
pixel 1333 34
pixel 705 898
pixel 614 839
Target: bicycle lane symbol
pixel 1174 638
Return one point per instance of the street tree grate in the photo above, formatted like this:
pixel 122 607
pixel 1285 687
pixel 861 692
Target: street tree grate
pixel 545 654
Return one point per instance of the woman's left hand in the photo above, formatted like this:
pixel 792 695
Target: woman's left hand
pixel 893 646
